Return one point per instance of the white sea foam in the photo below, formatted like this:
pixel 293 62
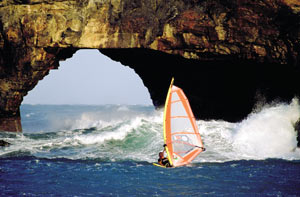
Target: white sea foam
pixel 119 133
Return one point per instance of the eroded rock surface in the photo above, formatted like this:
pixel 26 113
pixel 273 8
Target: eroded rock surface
pixel 222 52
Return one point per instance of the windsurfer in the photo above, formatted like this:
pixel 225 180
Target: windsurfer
pixel 162 159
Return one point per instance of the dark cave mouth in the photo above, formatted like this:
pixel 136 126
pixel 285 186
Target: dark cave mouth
pixel 227 88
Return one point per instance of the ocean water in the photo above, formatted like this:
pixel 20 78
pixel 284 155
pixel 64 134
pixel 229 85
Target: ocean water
pixel 78 150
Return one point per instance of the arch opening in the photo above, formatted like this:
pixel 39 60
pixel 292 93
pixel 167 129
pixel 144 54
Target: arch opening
pixel 90 78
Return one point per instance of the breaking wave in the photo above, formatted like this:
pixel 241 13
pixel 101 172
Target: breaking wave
pixel 114 133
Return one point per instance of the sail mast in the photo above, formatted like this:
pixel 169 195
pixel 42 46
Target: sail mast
pixel 166 108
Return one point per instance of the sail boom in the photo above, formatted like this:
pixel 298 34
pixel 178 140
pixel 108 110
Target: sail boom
pixel 179 117
pixel 184 132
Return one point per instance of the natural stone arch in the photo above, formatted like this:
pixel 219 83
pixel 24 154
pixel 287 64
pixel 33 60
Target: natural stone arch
pixel 198 39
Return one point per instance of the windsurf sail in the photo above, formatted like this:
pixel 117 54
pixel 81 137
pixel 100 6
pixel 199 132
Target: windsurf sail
pixel 181 134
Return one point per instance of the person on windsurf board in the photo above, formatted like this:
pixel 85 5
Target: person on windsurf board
pixel 181 132
pixel 163 161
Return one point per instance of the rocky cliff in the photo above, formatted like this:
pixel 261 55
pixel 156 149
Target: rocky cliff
pixel 226 54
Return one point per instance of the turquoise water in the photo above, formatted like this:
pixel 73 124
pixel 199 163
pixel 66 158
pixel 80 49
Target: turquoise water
pixel 79 150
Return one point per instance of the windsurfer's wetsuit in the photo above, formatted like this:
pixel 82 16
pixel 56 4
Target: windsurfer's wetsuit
pixel 164 162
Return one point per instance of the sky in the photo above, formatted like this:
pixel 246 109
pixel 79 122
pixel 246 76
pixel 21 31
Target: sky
pixel 90 78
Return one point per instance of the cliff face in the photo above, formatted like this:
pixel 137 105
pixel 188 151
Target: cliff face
pixel 224 53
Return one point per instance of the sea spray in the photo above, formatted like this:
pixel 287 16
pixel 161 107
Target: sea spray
pixel 217 139
pixel 269 133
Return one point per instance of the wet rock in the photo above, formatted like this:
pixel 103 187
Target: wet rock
pixel 297 129
pixel 4 143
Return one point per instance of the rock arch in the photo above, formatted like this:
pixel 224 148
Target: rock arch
pixel 221 52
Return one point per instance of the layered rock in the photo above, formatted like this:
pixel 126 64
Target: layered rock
pixel 210 46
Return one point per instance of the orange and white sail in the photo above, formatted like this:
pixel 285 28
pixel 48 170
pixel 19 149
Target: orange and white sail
pixel 181 134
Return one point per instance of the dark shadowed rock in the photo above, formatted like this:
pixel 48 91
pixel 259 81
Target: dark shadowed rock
pixel 297 129
pixel 4 143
